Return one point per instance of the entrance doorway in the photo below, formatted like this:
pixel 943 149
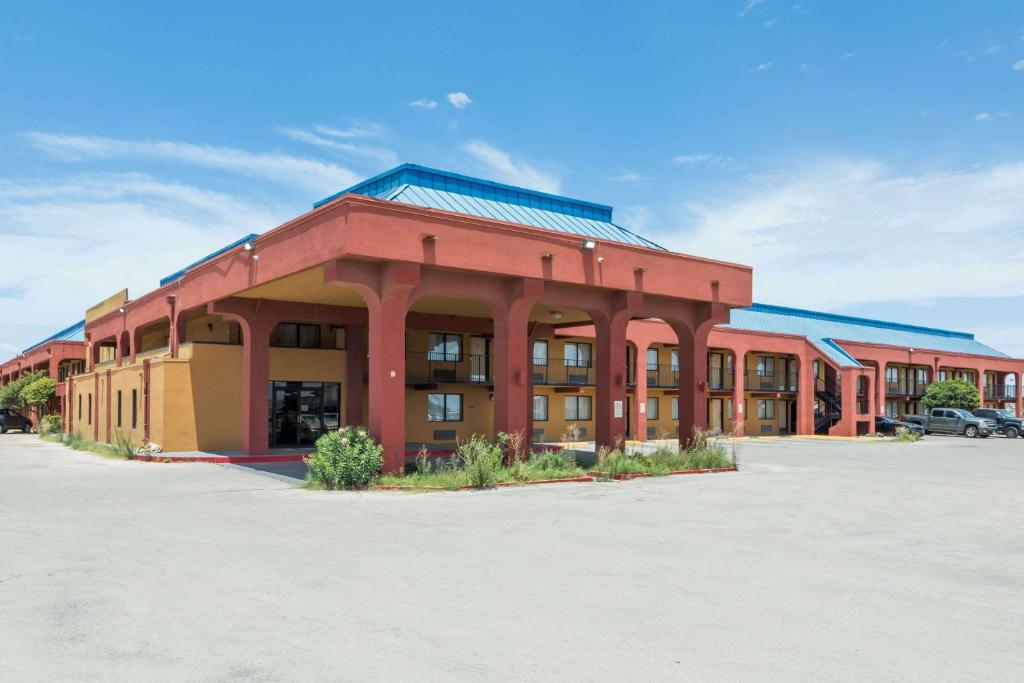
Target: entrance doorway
pixel 715 416
pixel 301 411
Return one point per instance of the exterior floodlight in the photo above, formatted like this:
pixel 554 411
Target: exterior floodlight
pixel 589 244
pixel 249 246
pixel 556 315
pixel 121 310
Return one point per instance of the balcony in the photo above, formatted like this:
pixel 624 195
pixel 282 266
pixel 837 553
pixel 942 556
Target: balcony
pixel 427 367
pixel 780 381
pixel 720 379
pixel 561 372
pixel 905 388
pixel 666 376
pixel 1001 392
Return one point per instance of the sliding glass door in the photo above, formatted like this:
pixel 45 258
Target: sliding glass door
pixel 301 411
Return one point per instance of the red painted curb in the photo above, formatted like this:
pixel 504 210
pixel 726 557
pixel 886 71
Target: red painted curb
pixel 642 475
pixel 469 487
pixel 236 459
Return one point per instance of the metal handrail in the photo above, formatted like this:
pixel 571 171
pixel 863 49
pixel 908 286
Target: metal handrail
pixel 564 372
pixel 447 368
pixel 779 381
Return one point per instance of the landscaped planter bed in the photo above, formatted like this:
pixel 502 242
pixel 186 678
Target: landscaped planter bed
pixel 641 475
pixel 467 487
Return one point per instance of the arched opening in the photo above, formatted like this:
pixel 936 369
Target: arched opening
pixel 771 386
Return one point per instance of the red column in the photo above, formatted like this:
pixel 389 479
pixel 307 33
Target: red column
pixel 255 386
pixel 979 378
pixel 805 396
pixel 640 395
pixel 107 400
pixel 1017 391
pixel 387 373
pixel 511 351
pixel 94 414
pixel 693 374
pixel 872 407
pixel 355 373
pixel 610 408
pixel 880 398
pixel 739 388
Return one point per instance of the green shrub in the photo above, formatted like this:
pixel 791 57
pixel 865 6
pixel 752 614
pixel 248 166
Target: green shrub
pixel 123 445
pixel 39 392
pixel 480 460
pixel 907 435
pixel 51 424
pixel 952 393
pixel 75 441
pixel 344 459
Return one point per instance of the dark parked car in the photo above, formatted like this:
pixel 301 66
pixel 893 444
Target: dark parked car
pixel 954 421
pixel 1007 423
pixel 10 419
pixel 888 425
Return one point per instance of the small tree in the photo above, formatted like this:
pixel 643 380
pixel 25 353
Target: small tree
pixel 953 393
pixel 10 395
pixel 39 393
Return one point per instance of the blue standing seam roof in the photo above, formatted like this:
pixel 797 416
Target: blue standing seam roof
pixel 181 273
pixel 74 332
pixel 434 189
pixel 822 329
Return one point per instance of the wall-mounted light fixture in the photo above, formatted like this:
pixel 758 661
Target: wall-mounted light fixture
pixel 548 256
pixel 589 244
pixel 121 310
pixel 249 245
pixel 556 315
pixel 430 238
pixel 600 259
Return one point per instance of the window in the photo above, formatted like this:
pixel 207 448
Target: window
pixel 118 407
pixel 540 353
pixel 444 407
pixel 444 346
pixel 728 408
pixel 578 408
pixel 674 359
pixel 892 409
pixel 339 337
pixel 79 406
pixel 540 408
pixel 765 366
pixel 135 409
pixel 296 335
pixel 652 359
pixel 675 407
pixel 942 376
pixel 89 414
pixel 577 355
pixel 765 409
pixel 892 375
pixel 922 377
pixel 652 409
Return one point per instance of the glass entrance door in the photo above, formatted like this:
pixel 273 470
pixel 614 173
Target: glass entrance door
pixel 301 411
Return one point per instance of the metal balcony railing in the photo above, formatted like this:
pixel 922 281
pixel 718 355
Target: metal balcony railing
pixel 1001 392
pixel 905 388
pixel 447 368
pixel 662 375
pixel 720 379
pixel 779 381
pixel 564 372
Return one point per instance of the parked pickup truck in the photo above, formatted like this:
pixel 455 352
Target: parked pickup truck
pixel 1007 423
pixel 954 421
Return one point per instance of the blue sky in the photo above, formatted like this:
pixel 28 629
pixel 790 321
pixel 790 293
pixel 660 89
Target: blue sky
pixel 864 157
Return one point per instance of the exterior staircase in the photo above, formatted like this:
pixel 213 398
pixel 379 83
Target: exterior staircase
pixel 828 393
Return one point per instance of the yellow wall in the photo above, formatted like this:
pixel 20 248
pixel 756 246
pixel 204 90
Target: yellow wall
pixel 755 427
pixel 556 426
pixel 477 413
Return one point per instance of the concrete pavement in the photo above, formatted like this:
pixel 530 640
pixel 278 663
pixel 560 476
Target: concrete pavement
pixel 817 561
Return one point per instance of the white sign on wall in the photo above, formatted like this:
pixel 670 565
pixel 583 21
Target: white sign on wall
pixel 617 408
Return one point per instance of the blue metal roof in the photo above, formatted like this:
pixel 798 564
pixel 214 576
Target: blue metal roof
pixel 822 329
pixel 434 189
pixel 75 332
pixel 181 273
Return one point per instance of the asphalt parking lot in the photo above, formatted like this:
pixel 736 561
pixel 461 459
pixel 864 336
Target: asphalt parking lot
pixel 819 560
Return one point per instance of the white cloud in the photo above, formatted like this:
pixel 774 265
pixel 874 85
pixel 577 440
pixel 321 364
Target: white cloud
pixel 627 177
pixel 502 167
pixel 751 4
pixel 694 159
pixel 376 154
pixel 424 104
pixel 764 66
pixel 101 232
pixel 358 129
pixel 1018 65
pixel 983 116
pixel 459 100
pixel 851 232
pixel 308 174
